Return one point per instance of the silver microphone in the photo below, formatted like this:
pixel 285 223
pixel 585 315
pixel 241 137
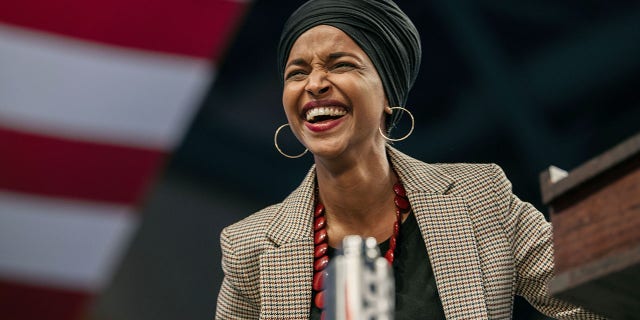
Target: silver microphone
pixel 360 283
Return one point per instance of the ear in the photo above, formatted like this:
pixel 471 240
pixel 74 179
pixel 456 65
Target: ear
pixel 388 110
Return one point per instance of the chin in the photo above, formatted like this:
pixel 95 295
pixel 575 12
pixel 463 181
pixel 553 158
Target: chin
pixel 327 151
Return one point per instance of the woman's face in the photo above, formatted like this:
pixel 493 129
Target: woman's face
pixel 333 96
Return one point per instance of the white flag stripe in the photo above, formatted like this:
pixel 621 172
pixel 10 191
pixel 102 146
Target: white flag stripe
pixel 63 87
pixel 62 243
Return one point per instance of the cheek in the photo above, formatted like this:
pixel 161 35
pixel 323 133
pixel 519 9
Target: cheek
pixel 289 99
pixel 374 100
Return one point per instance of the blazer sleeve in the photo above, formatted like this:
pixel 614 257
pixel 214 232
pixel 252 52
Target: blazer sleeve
pixel 532 244
pixel 233 301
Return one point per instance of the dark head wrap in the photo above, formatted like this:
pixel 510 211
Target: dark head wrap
pixel 379 27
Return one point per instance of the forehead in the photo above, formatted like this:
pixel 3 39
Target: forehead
pixel 323 39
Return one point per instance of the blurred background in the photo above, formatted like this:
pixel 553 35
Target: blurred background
pixel 132 132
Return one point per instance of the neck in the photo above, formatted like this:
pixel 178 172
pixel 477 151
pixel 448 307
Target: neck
pixel 358 196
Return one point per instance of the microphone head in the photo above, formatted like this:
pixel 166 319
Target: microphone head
pixel 360 282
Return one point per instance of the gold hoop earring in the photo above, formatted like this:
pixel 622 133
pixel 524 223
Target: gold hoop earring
pixel 275 142
pixel 410 130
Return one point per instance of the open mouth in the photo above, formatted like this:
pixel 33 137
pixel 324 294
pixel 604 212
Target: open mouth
pixel 320 114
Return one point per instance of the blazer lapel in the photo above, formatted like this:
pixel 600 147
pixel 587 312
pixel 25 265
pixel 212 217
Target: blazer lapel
pixel 448 235
pixel 285 281
pixel 452 248
pixel 286 271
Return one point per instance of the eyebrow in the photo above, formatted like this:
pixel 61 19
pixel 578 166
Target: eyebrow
pixel 296 62
pixel 332 56
pixel 336 55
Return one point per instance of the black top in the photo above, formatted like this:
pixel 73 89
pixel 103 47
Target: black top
pixel 416 293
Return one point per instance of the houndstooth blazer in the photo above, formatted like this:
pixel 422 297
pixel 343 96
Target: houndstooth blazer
pixel 485 246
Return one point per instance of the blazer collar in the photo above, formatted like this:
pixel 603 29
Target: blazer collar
pixel 293 220
pixel 417 175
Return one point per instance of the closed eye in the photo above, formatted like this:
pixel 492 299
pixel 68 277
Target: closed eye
pixel 295 74
pixel 343 65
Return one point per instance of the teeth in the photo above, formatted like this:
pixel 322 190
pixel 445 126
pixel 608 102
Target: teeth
pixel 325 111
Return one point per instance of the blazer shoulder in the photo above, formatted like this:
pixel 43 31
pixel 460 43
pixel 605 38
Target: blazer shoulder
pixel 253 227
pixel 472 175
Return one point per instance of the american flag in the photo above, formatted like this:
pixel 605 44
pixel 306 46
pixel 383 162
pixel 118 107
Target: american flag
pixel 94 95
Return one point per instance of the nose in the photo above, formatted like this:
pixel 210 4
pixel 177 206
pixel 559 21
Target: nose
pixel 317 83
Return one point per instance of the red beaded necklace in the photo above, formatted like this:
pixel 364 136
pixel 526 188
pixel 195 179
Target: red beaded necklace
pixel 321 242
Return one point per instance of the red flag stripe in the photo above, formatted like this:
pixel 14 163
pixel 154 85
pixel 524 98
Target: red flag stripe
pixel 193 28
pixel 60 167
pixel 27 302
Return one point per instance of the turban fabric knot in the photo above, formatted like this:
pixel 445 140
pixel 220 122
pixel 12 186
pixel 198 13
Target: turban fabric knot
pixel 379 27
